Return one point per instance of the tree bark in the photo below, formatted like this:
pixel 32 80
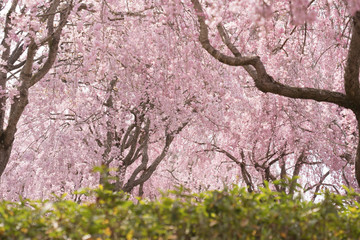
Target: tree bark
pixel 5 151
pixel 357 157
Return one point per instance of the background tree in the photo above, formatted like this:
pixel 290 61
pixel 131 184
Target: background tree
pixel 106 109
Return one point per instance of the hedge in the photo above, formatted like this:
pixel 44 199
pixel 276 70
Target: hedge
pixel 228 214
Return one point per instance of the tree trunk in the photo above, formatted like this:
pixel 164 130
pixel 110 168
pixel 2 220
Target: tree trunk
pixel 4 156
pixel 357 158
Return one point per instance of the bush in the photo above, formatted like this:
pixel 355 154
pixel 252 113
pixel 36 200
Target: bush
pixel 228 214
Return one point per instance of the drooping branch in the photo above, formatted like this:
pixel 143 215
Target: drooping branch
pixel 205 42
pixel 263 81
pixel 226 40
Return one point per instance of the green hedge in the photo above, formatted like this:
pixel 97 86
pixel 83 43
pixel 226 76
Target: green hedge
pixel 228 214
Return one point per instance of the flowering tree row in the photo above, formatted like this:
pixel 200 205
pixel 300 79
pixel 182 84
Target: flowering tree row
pixel 178 92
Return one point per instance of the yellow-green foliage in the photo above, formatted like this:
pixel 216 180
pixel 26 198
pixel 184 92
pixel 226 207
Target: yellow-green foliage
pixel 228 214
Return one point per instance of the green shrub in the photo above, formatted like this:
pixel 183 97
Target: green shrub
pixel 228 214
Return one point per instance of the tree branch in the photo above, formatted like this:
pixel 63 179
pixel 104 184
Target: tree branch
pixel 53 44
pixel 263 81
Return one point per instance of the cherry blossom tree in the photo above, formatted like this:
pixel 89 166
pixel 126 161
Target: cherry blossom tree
pixel 106 103
pixel 299 13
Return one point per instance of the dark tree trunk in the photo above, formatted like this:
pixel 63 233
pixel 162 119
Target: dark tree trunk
pixel 357 158
pixel 4 157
